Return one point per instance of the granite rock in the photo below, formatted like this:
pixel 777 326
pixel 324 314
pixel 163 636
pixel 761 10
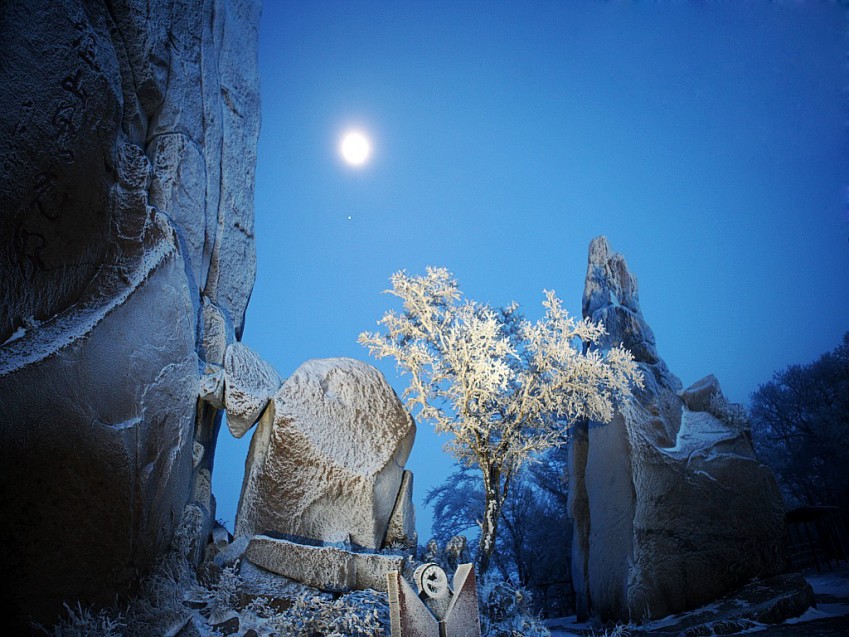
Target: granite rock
pixel 401 531
pixel 697 397
pixel 249 384
pixel 129 148
pixel 671 508
pixel 327 459
pixel 328 568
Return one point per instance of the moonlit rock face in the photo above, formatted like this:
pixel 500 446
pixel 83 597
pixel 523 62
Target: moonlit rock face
pixel 671 508
pixel 126 207
pixel 327 458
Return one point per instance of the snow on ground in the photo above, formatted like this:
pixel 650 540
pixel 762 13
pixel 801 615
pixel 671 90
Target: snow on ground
pixel 822 611
pixel 567 626
pixel 831 590
pixel 834 583
pixel 832 593
pixel 18 333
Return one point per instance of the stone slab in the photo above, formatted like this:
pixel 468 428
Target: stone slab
pixel 327 568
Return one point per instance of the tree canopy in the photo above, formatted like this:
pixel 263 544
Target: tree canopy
pixel 800 423
pixel 506 389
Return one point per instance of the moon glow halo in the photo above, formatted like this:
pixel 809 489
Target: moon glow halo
pixel 355 148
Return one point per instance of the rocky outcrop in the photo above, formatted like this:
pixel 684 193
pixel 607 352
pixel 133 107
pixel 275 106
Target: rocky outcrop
pixel 126 263
pixel 764 601
pixel 249 382
pixel 327 459
pixel 671 507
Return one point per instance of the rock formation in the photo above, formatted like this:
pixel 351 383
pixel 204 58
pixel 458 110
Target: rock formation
pixel 126 261
pixel 327 459
pixel 326 469
pixel 671 508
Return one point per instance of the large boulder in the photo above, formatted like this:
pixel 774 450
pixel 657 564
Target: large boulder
pixel 326 461
pixel 671 507
pixel 126 264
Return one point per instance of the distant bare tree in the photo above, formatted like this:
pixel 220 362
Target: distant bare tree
pixel 800 425
pixel 532 546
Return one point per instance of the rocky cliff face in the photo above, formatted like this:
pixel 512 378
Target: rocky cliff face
pixel 671 508
pixel 126 262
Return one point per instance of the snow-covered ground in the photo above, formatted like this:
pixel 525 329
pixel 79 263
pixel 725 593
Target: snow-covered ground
pixel 832 594
pixel 831 591
pixel 834 583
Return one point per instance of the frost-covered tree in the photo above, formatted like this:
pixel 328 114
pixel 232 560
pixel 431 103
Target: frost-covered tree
pixel 505 388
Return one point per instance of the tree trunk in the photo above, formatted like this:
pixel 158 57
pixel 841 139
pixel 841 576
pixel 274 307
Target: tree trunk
pixel 491 513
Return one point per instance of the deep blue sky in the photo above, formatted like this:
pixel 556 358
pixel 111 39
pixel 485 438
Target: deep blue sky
pixel 709 143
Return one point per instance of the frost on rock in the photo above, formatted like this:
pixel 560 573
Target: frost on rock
pixel 698 396
pixel 327 568
pixel 129 149
pixel 327 459
pixel 325 472
pixel 671 508
pixel 401 531
pixel 249 384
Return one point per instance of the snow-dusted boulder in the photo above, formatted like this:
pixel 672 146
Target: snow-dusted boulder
pixel 327 458
pixel 129 141
pixel 328 568
pixel 671 508
pixel 698 396
pixel 250 382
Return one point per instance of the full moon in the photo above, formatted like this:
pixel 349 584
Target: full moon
pixel 355 148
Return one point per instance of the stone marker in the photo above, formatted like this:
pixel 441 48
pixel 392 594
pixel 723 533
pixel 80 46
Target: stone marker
pixel 463 618
pixel 437 610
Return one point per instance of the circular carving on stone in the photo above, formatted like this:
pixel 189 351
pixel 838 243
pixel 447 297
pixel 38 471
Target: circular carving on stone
pixel 432 581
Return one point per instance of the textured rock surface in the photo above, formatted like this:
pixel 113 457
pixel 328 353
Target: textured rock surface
pixel 401 531
pixel 671 508
pixel 327 568
pixel 327 458
pixel 126 215
pixel 250 382
pixel 697 396
pixel 769 601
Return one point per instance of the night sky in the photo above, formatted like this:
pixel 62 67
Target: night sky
pixel 709 143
